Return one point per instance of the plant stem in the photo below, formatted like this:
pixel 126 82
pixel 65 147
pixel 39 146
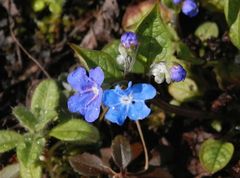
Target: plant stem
pixel 144 145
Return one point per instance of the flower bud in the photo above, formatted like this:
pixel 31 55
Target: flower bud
pixel 190 8
pixel 129 39
pixel 177 73
pixel 160 72
pixel 176 1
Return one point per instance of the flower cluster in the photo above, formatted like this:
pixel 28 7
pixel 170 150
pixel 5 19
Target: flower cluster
pixel 161 72
pixel 189 7
pixel 122 103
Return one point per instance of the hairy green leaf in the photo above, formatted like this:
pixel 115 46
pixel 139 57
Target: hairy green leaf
pixel 231 9
pixel 235 31
pixel 25 117
pixel 9 140
pixel 45 101
pixel 31 171
pixel 213 4
pixel 215 154
pixel 76 130
pixel 28 152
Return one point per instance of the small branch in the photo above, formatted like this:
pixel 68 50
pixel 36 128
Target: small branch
pixel 144 145
pixel 21 46
pixel 187 112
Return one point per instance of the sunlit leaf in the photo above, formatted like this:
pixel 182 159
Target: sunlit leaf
pixel 25 117
pixel 155 37
pixel 207 30
pixel 215 154
pixel 10 171
pixel 45 101
pixel 76 130
pixel 185 90
pixel 231 9
pixel 9 140
pixel 88 165
pixel 121 151
pixel 235 31
pixel 102 59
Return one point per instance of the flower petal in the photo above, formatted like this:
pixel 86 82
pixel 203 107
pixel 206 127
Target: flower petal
pixel 93 109
pixel 143 91
pixel 77 103
pixel 138 110
pixel 111 98
pixel 97 75
pixel 77 79
pixel 117 114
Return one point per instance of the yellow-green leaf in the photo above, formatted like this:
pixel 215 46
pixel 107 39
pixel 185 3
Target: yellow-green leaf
pixel 235 32
pixel 215 154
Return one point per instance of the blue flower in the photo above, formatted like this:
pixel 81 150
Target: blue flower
pixel 129 39
pixel 190 8
pixel 176 1
pixel 87 100
pixel 128 103
pixel 177 73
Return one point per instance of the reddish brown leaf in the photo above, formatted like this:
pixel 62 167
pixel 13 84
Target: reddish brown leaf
pixel 121 151
pixel 88 165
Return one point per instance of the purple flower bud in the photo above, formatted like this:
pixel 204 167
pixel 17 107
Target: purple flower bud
pixel 176 1
pixel 190 8
pixel 177 73
pixel 129 39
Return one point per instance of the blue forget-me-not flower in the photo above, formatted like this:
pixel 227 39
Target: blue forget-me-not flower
pixel 88 97
pixel 128 102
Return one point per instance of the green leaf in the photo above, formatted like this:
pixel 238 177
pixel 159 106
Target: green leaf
pixel 215 154
pixel 32 171
pixel 235 32
pixel 96 58
pixel 231 9
pixel 76 130
pixel 45 101
pixel 213 4
pixel 155 37
pixel 10 171
pixel 112 50
pixel 9 140
pixel 28 152
pixel 207 30
pixel 25 117
pixel 184 91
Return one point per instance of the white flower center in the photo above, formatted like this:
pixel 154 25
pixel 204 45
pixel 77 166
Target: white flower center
pixel 95 90
pixel 126 99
